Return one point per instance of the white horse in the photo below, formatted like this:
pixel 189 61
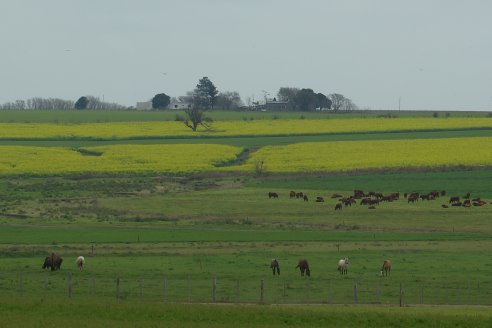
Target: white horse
pixel 80 262
pixel 343 266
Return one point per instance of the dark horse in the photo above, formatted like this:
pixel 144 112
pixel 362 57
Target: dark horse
pixel 53 262
pixel 303 265
pixel 275 266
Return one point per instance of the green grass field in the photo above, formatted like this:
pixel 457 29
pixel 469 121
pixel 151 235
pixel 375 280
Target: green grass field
pixel 108 314
pixel 167 236
pixel 75 116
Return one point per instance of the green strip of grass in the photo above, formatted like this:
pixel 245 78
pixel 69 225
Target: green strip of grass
pixel 255 141
pixel 32 313
pixel 73 234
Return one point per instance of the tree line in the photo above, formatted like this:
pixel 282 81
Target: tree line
pixel 84 102
pixel 204 96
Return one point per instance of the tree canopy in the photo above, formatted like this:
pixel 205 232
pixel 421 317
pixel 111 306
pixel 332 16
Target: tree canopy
pixel 160 101
pixel 81 103
pixel 205 93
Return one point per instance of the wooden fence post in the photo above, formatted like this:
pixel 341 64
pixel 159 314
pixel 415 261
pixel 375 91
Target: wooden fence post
pixel 356 292
pixel 140 287
pixel 189 289
pixel 422 293
pixel 478 293
pixel 214 289
pixel 69 284
pixel 401 294
pixel 378 291
pixel 93 286
pixel 237 291
pixel 118 288
pixel 262 290
pixel 330 292
pixel 21 285
pixel 45 287
pixel 164 290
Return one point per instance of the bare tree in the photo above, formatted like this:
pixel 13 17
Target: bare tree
pixel 228 100
pixel 195 116
pixel 348 105
pixel 337 101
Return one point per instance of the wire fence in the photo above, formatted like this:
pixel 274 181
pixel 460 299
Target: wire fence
pixel 229 290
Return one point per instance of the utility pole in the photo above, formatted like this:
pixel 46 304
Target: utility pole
pixel 399 103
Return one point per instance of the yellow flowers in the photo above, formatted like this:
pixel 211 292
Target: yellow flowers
pixel 377 154
pixel 115 159
pixel 125 130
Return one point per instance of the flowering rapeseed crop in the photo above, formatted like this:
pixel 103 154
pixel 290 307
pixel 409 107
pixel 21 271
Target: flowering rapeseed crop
pixel 125 130
pixel 373 154
pixel 115 159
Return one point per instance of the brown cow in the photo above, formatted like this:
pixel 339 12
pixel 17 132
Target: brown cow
pixel 272 195
pixel 386 268
pixel 305 198
pixel 303 265
pixel 292 194
pixel 319 199
pixel 338 207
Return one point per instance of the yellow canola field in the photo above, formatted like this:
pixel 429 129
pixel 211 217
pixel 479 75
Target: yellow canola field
pixel 123 130
pixel 115 159
pixel 380 154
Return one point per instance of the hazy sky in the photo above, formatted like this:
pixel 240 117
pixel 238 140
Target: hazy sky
pixel 434 54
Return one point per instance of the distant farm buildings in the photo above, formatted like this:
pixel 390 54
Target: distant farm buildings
pixel 147 105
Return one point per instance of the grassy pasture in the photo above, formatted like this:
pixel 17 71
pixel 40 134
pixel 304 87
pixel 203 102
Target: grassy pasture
pixel 76 313
pixel 184 230
pixel 229 228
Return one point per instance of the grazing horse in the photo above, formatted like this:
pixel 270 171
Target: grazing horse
pixel 303 265
pixel 53 262
pixel 275 266
pixel 47 262
pixel 80 262
pixel 343 266
pixel 386 268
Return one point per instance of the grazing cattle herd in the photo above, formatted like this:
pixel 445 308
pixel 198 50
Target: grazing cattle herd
pixel 372 199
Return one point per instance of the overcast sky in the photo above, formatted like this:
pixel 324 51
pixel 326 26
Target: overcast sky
pixel 434 54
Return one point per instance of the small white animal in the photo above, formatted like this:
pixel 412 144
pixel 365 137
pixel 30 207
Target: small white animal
pixel 80 262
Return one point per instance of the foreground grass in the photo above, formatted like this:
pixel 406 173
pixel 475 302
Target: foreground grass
pixel 32 313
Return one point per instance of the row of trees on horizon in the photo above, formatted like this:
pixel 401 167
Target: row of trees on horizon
pixel 204 96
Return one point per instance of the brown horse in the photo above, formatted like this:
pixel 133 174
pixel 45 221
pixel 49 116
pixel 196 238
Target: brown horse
pixel 275 266
pixel 53 262
pixel 303 265
pixel 386 268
